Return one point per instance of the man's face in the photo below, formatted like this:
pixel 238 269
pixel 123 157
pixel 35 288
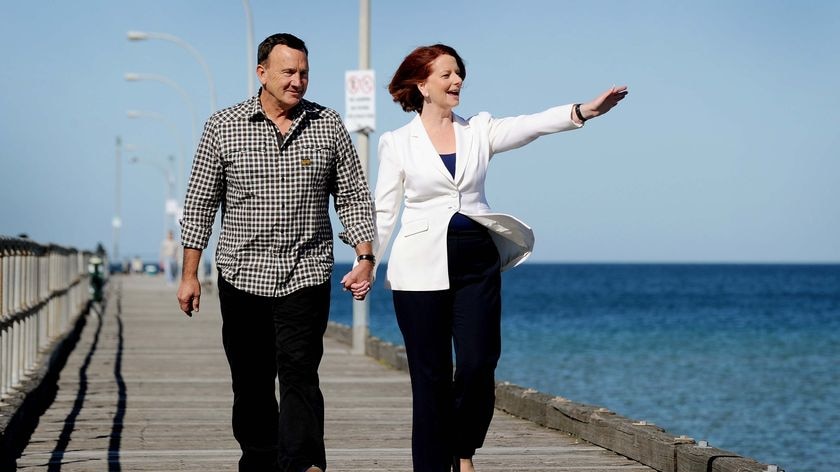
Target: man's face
pixel 285 75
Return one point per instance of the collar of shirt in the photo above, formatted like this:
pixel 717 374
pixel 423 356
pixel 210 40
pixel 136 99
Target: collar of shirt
pixel 258 114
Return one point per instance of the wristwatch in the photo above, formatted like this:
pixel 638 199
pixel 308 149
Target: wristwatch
pixel 367 257
pixel 579 114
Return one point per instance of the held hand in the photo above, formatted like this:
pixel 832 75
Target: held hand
pixel 604 103
pixel 358 281
pixel 189 293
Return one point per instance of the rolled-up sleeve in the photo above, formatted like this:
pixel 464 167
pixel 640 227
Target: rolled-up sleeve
pixel 203 191
pixel 353 202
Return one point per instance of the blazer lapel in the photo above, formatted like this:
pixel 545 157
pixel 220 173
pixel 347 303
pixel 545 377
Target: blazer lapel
pixel 424 151
pixel 463 146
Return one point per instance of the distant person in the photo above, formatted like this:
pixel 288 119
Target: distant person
pixel 136 265
pixel 272 162
pixel 169 257
pixel 444 268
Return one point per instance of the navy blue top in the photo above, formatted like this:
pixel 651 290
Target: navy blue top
pixel 458 221
pixel 449 162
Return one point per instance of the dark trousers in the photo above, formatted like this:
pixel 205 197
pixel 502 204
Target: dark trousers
pixel 451 416
pixel 268 338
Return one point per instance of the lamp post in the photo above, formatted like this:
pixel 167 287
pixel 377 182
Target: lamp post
pixel 143 35
pixel 133 77
pixel 116 223
pixel 361 308
pixel 170 184
pixel 171 126
pixel 249 50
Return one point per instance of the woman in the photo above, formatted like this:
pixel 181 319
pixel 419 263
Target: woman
pixel 444 268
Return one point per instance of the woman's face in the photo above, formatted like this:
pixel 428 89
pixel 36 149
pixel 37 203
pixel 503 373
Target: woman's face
pixel 442 88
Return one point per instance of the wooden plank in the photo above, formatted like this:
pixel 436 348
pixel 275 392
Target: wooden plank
pixel 153 387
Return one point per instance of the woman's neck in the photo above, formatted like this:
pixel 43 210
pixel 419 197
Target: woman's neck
pixel 438 126
pixel 435 117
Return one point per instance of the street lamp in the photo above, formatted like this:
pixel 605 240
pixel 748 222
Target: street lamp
pixel 171 126
pixel 143 35
pixel 170 207
pixel 116 222
pixel 249 40
pixel 134 77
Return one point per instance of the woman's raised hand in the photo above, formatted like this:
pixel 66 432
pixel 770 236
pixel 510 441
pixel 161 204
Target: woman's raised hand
pixel 604 103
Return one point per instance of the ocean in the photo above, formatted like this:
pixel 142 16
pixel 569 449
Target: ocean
pixel 744 356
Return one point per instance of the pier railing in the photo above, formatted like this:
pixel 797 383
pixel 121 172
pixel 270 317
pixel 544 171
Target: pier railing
pixel 43 289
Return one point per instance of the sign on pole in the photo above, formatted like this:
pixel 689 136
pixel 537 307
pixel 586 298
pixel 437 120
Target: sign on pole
pixel 360 103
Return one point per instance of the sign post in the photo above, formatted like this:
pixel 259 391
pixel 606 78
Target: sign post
pixel 360 87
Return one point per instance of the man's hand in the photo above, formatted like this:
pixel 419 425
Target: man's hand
pixel 189 294
pixel 359 280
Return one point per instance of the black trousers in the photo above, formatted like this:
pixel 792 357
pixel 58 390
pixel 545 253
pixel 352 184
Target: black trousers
pixel 451 415
pixel 268 338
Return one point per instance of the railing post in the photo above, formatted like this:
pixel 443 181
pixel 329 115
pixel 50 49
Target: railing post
pixel 4 311
pixel 42 291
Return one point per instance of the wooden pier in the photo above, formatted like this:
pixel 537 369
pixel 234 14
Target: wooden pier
pixel 147 389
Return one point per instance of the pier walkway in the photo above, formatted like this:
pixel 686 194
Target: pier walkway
pixel 134 385
pixel 147 389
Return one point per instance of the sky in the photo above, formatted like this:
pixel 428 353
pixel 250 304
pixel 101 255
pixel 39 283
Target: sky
pixel 725 150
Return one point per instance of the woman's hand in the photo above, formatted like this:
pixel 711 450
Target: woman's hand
pixel 604 103
pixel 358 281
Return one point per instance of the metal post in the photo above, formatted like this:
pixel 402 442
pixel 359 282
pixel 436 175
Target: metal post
pixel 362 308
pixel 117 222
pixel 133 77
pixel 182 166
pixel 141 35
pixel 251 55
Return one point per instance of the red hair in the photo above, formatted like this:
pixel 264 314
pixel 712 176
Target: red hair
pixel 414 69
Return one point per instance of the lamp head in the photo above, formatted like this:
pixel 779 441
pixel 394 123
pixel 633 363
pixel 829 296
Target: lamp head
pixel 137 35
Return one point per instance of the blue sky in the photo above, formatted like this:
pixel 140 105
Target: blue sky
pixel 724 151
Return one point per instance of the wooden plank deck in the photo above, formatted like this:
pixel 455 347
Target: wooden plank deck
pixel 147 389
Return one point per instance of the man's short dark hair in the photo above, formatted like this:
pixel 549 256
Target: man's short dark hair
pixel 284 39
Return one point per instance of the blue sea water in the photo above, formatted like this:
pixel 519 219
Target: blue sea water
pixel 746 357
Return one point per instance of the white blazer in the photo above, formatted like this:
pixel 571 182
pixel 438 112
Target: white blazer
pixel 411 172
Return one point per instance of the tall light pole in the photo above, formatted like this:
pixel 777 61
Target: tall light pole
pixel 249 41
pixel 182 164
pixel 134 77
pixel 143 35
pixel 361 308
pixel 170 182
pixel 117 221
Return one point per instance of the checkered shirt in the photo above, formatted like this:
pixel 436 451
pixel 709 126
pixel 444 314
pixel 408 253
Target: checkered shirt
pixel 274 193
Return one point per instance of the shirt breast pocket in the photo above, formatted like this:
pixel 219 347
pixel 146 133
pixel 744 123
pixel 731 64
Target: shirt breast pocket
pixel 248 171
pixel 314 163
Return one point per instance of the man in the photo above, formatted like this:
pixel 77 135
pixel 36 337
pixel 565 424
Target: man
pixel 272 162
